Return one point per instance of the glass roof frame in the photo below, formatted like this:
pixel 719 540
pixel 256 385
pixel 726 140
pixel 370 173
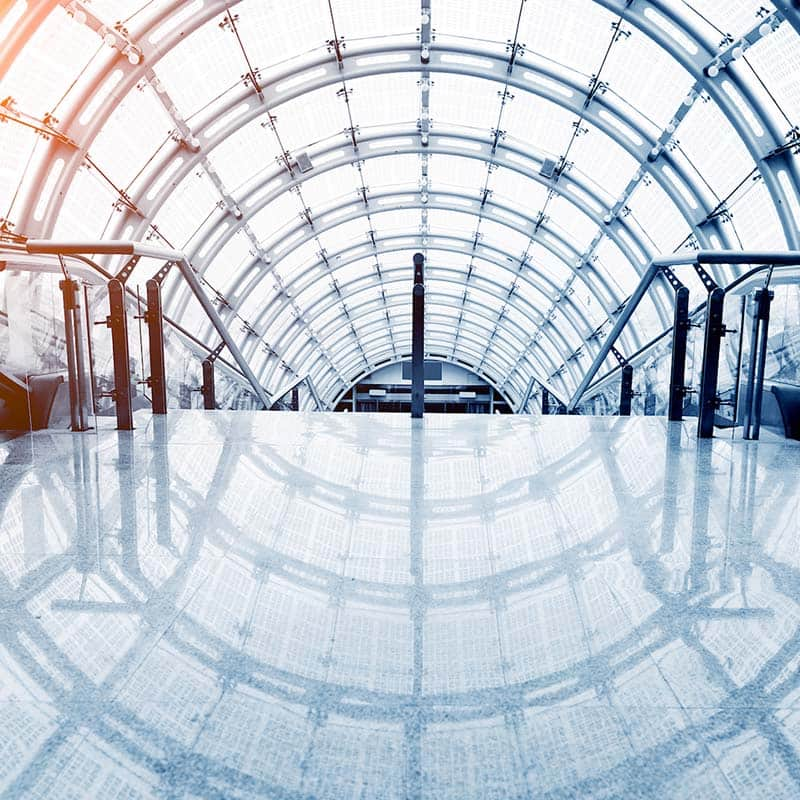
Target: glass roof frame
pixel 742 107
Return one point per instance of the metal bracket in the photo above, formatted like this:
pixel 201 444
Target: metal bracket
pixel 215 353
pixel 672 278
pixel 163 272
pixel 707 280
pixel 126 271
pixel 620 358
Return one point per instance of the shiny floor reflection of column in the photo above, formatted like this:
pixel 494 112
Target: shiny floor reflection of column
pixel 277 605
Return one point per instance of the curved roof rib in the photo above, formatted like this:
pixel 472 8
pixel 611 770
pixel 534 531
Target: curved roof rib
pixel 452 153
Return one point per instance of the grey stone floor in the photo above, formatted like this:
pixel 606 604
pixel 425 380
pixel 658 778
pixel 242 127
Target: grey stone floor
pixel 243 605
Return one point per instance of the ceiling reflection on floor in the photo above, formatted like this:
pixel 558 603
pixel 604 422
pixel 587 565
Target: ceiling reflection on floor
pixel 242 605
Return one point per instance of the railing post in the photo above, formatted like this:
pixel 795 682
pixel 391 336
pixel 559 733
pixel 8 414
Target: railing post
pixel 626 391
pixel 118 323
pixel 418 339
pixel 75 363
pixel 758 360
pixel 715 330
pixel 208 388
pixel 155 333
pixel 680 335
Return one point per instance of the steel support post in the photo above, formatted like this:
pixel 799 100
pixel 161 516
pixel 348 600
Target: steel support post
pixel 626 391
pixel 208 389
pixel 155 333
pixel 118 323
pixel 545 402
pixel 680 335
pixel 715 330
pixel 418 339
pixel 758 360
pixel 78 393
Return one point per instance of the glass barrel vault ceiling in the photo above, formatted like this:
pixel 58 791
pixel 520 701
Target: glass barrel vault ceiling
pixel 539 153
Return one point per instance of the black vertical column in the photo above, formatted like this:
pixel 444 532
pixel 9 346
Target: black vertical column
pixel 680 333
pixel 155 333
pixel 759 355
pixel 626 391
pixel 118 322
pixel 418 339
pixel 208 389
pixel 715 330
pixel 545 401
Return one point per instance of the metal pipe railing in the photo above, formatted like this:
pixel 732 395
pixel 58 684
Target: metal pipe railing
pixel 147 250
pixel 684 258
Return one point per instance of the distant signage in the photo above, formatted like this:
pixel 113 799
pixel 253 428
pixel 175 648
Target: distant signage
pixel 433 370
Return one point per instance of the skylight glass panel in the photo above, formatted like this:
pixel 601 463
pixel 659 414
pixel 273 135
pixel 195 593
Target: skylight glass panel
pixel 58 50
pixel 457 171
pixel 616 267
pixel 441 221
pixel 87 207
pixel 246 152
pixel 606 163
pixel 309 118
pixel 135 130
pixel 273 32
pixel 347 233
pixel 538 122
pixel 646 76
pixel 722 159
pixel 578 229
pixel 200 68
pixel 234 254
pixel 391 99
pixel 734 17
pixel 472 19
pixel 516 191
pixel 356 20
pixel 658 218
pixel 192 200
pixel 391 170
pixel 577 34
pixel 328 188
pixel 755 219
pixel 464 100
pixel 17 145
pixel 276 217
pixel 776 58
pixel 541 260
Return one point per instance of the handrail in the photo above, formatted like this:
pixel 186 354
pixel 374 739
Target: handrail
pixel 147 250
pixel 767 259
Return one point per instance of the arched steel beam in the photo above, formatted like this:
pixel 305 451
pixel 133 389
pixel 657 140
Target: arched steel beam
pixel 668 48
pixel 468 356
pixel 613 230
pixel 507 329
pixel 358 210
pixel 455 244
pixel 633 261
pixel 760 145
pixel 400 275
pixel 376 327
pixel 151 57
pixel 367 308
pixel 433 343
pixel 356 376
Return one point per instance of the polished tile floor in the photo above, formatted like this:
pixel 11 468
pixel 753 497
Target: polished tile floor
pixel 277 605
